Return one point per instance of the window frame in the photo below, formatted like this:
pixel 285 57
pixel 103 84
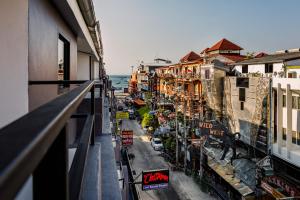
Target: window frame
pixel 245 69
pixel 284 134
pixel 269 68
pixel 242 106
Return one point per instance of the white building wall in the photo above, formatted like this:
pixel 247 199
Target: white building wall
pixel 260 68
pixel 13 60
pixel 83 66
pixel 96 70
pixel 287 150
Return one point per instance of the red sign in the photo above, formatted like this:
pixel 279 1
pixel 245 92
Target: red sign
pixel 281 183
pixel 271 190
pixel 127 138
pixel 155 179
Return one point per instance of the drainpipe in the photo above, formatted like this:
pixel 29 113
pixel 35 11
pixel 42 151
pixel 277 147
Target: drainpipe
pixel 87 10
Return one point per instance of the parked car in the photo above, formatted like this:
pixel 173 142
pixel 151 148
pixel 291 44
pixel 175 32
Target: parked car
pixel 157 144
pixel 131 114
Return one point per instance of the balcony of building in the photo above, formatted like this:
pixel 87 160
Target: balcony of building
pixel 60 150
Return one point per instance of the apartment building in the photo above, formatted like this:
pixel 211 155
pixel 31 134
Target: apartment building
pixel 146 70
pixel 278 76
pixel 53 87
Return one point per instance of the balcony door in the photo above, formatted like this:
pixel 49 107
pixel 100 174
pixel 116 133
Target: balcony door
pixel 63 71
pixel 63 59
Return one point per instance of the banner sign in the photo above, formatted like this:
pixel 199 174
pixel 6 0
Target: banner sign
pixel 208 128
pixel 122 115
pixel 271 190
pixel 155 179
pixel 282 184
pixel 127 138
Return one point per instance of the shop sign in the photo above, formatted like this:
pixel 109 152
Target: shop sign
pixel 210 129
pixel 155 179
pixel 281 183
pixel 122 115
pixel 127 138
pixel 271 190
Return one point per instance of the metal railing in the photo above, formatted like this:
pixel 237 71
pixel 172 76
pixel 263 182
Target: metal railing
pixel 37 144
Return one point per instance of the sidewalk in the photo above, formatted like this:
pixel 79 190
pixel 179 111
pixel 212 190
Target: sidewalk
pixel 186 187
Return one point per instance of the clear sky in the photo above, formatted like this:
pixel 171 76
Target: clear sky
pixel 140 30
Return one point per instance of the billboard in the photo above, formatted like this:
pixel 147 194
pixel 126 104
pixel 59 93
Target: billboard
pixel 155 179
pixel 127 138
pixel 122 115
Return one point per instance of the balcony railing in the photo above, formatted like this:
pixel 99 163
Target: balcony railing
pixel 37 145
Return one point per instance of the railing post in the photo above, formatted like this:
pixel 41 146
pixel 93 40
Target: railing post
pixel 93 114
pixel 50 178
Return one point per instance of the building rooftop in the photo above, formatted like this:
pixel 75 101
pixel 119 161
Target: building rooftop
pixel 191 56
pixel 274 58
pixel 224 44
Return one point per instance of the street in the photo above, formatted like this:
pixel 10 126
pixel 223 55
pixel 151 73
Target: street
pixel 180 186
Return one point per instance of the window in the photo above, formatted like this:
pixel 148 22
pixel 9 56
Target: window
pixel 294 102
pixel 284 133
pixel 242 94
pixel 269 68
pixel 294 137
pixel 298 138
pixel 292 75
pixel 63 62
pixel 283 101
pixel 242 82
pixel 275 133
pixel 63 59
pixel 207 74
pixel 245 69
pixel 242 105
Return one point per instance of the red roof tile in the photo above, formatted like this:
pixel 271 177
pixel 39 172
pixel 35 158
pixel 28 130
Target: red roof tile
pixel 232 57
pixel 224 44
pixel 190 57
pixel 204 50
pixel 261 54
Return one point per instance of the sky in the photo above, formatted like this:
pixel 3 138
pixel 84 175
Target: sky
pixel 141 30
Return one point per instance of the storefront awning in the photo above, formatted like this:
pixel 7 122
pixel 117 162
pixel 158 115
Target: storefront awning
pixel 225 173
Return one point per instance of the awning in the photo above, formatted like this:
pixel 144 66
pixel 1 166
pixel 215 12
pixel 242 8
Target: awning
pixel 139 102
pixel 227 175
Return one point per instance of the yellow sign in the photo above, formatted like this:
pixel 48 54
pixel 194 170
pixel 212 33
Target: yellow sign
pixel 122 115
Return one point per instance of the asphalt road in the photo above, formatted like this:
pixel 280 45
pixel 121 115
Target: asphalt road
pixel 146 158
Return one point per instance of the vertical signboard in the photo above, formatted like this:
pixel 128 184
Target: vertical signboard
pixel 155 179
pixel 127 138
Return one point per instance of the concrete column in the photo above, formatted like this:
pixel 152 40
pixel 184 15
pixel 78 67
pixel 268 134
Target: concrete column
pixel 279 117
pixel 288 119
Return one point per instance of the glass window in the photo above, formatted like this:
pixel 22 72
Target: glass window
pixel 294 102
pixel 269 68
pixel 242 105
pixel 207 74
pixel 298 138
pixel 294 137
pixel 245 69
pixel 242 94
pixel 284 133
pixel 283 101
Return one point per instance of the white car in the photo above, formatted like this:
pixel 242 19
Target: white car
pixel 156 144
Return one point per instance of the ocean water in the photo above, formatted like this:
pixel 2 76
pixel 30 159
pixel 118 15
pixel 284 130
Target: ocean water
pixel 119 82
